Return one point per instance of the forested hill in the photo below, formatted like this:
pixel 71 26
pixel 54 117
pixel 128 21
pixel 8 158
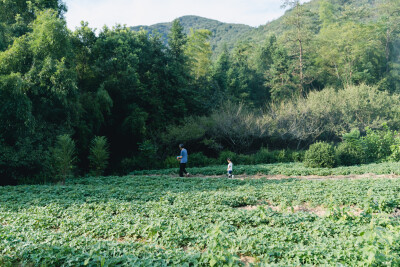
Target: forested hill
pixel 222 33
pixel 230 34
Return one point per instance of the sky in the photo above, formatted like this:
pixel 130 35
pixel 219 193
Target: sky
pixel 148 12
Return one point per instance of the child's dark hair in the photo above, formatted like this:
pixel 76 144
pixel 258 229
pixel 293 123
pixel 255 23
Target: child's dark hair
pixel 228 159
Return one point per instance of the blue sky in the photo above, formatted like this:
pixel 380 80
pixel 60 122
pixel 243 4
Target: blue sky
pixel 147 12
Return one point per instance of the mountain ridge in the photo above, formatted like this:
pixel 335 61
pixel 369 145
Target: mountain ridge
pixel 222 33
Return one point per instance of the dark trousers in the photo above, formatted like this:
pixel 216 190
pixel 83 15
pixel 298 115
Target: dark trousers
pixel 182 169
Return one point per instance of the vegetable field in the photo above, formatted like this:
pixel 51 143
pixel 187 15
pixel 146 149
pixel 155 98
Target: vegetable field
pixel 162 220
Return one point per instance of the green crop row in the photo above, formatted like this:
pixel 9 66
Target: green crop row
pixel 162 221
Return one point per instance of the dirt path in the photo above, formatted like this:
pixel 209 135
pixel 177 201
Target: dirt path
pixel 328 177
pixel 308 177
pixel 281 177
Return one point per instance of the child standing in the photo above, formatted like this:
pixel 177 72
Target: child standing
pixel 230 168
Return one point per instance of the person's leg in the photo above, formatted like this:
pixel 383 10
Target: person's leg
pixel 182 169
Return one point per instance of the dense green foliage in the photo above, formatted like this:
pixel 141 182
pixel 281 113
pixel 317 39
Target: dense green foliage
pixel 159 221
pixel 320 154
pixel 63 157
pixel 99 155
pixel 321 70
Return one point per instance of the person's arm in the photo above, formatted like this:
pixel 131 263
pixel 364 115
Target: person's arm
pixel 180 156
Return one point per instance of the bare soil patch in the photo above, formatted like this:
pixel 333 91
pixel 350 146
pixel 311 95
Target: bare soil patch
pixel 247 260
pixel 396 213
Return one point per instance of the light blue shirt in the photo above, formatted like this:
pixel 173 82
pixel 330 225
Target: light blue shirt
pixel 184 156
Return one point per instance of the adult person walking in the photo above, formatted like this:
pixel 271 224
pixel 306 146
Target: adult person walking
pixel 183 158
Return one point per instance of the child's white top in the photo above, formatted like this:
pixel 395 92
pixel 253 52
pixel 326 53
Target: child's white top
pixel 230 166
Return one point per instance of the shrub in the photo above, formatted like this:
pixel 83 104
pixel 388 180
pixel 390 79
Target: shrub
pixel 350 151
pixel 28 161
pixel 264 156
pixel 128 164
pixel 98 155
pixel 330 112
pixel 297 156
pixel 377 144
pixel 395 156
pixel 147 158
pixel 171 162
pixel 227 154
pixel 243 159
pixel 237 159
pixel 283 156
pixel 320 154
pixel 198 159
pixel 347 154
pixel 63 157
pixel 232 126
pixel 395 150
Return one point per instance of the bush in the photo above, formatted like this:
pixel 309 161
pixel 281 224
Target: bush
pixel 63 157
pixel 98 155
pixel 128 165
pixel 198 159
pixel 171 162
pixel 25 162
pixel 350 151
pixel 237 159
pixel 283 156
pixel 320 154
pixel 264 156
pixel 330 112
pixel 377 144
pixel 347 154
pixel 395 151
pixel 243 159
pixel 297 156
pixel 227 154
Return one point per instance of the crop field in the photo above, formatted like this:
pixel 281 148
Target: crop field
pixel 164 220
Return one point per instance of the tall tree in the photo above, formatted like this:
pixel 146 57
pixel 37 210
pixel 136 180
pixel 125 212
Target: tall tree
pixel 220 69
pixel 178 95
pixel 350 52
pixel 279 74
pixel 38 75
pixel 16 15
pixel 327 12
pixel 390 27
pixel 298 37
pixel 199 52
pixel 245 84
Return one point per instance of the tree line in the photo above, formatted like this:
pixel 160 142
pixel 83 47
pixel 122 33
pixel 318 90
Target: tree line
pixel 144 97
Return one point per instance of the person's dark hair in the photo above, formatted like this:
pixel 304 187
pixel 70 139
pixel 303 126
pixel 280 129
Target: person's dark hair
pixel 228 159
pixel 181 146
